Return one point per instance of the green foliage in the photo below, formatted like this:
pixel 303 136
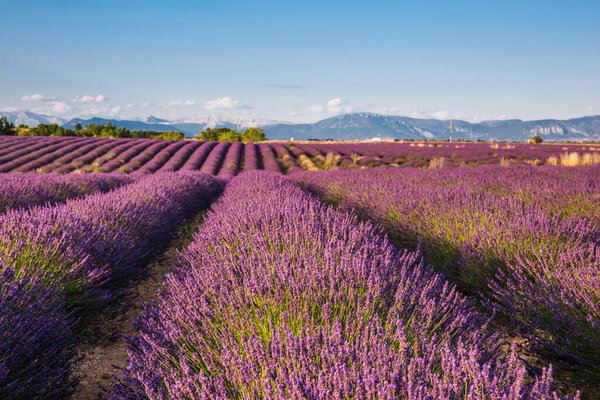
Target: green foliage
pixel 100 130
pixel 171 135
pixel 536 139
pixel 231 135
pixel 254 135
pixel 6 128
pixel 209 134
pixel 220 134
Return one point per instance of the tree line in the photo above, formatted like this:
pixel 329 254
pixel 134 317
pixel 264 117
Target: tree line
pixel 231 135
pixel 6 128
pixel 109 130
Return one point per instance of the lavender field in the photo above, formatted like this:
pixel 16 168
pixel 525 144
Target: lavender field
pixel 414 270
pixel 61 155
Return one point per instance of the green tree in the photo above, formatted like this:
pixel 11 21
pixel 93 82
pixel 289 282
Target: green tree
pixel 254 135
pixel 230 135
pixel 6 128
pixel 537 139
pixel 94 130
pixel 170 135
pixel 209 134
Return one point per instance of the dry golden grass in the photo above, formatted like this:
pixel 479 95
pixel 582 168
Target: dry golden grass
pixel 572 159
pixel 331 160
pixel 306 163
pixel 437 162
pixel 355 157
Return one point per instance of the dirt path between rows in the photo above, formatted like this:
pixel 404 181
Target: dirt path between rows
pixel 107 346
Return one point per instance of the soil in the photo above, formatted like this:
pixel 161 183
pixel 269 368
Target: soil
pixel 106 347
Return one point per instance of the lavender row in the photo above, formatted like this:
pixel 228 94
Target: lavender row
pixel 525 239
pixel 268 158
pixel 288 161
pixel 69 157
pixel 49 158
pixel 30 146
pixel 7 147
pixel 31 189
pixel 36 339
pixel 281 296
pixel 161 158
pixel 251 157
pixel 85 159
pixel 198 156
pixel 48 153
pixel 231 161
pixel 13 163
pixel 214 159
pixel 122 158
pixel 180 157
pixel 122 146
pixel 142 158
pixel 85 251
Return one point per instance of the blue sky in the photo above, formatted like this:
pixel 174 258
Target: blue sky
pixel 301 61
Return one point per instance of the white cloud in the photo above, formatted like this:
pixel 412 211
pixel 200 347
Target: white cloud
pixel 60 107
pixel 146 105
pixel 131 105
pixel 179 103
pixel 223 102
pixel 441 114
pixel 90 99
pixel 55 107
pixel 338 105
pixel 37 97
pixel 10 109
pixel 315 108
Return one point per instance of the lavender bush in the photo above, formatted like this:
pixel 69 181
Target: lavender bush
pixel 231 162
pixel 31 146
pixel 36 342
pixel 198 156
pixel 61 264
pixel 181 156
pixel 523 239
pixel 16 159
pixel 85 159
pixel 12 144
pixel 122 158
pixel 268 158
pixel 280 296
pixel 31 189
pixel 251 157
pixel 93 165
pixel 89 248
pixel 145 156
pixel 66 159
pixel 160 158
pixel 213 161
pixel 48 158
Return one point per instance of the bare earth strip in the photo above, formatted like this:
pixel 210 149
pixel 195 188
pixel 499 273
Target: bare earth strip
pixel 108 347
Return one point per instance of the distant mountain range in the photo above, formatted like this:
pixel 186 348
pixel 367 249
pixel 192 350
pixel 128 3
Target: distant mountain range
pixel 368 125
pixel 358 126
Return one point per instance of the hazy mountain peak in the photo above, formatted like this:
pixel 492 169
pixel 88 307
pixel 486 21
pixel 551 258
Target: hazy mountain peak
pixel 357 126
pixel 155 120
